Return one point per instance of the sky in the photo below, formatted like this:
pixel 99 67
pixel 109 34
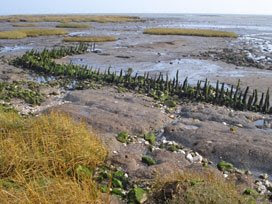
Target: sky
pixel 263 7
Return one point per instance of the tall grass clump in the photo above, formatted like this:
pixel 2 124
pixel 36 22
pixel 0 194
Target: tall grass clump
pixel 190 32
pixel 72 25
pixel 90 39
pixel 23 33
pixel 47 159
pixel 196 187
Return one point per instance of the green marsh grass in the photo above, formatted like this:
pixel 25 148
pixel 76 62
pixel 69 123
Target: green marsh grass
pixel 190 32
pixel 90 39
pixel 23 33
pixel 70 18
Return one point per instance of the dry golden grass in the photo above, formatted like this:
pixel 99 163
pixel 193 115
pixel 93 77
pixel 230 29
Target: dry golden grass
pixel 90 39
pixel 12 35
pixel 23 25
pixel 44 32
pixel 190 32
pixel 72 25
pixel 69 18
pixel 197 187
pixel 19 34
pixel 40 157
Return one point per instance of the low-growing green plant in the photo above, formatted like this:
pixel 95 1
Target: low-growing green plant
pixel 90 39
pixel 27 91
pixel 191 32
pixel 148 160
pixel 150 137
pixel 137 195
pixel 122 137
pixel 170 103
pixel 224 166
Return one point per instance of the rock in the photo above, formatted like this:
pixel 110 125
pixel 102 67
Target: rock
pixel 132 114
pixel 249 149
pixel 190 158
pixel 264 176
pixel 262 189
pixel 197 159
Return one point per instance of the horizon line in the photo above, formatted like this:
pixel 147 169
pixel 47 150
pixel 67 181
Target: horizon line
pixel 121 13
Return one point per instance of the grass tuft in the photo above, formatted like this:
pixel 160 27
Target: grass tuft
pixel 90 39
pixel 72 25
pixel 190 32
pixel 19 34
pixel 196 187
pixel 40 159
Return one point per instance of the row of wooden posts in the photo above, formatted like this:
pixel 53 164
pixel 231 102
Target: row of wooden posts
pixel 160 86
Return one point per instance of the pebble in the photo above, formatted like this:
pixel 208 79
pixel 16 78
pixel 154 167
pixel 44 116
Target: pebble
pixel 146 143
pixel 172 116
pixel 197 159
pixel 181 151
pixel 263 176
pixel 225 175
pixel 224 123
pixel 261 189
pixel 190 158
pixel 115 152
pixel 239 125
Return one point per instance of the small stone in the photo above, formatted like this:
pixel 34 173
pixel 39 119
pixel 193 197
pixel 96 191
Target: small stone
pixel 146 143
pixel 198 159
pixel 224 123
pixel 261 189
pixel 181 151
pixel 247 172
pixel 268 184
pixel 239 125
pixel 172 116
pixel 225 175
pixel 190 158
pixel 115 152
pixel 263 176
